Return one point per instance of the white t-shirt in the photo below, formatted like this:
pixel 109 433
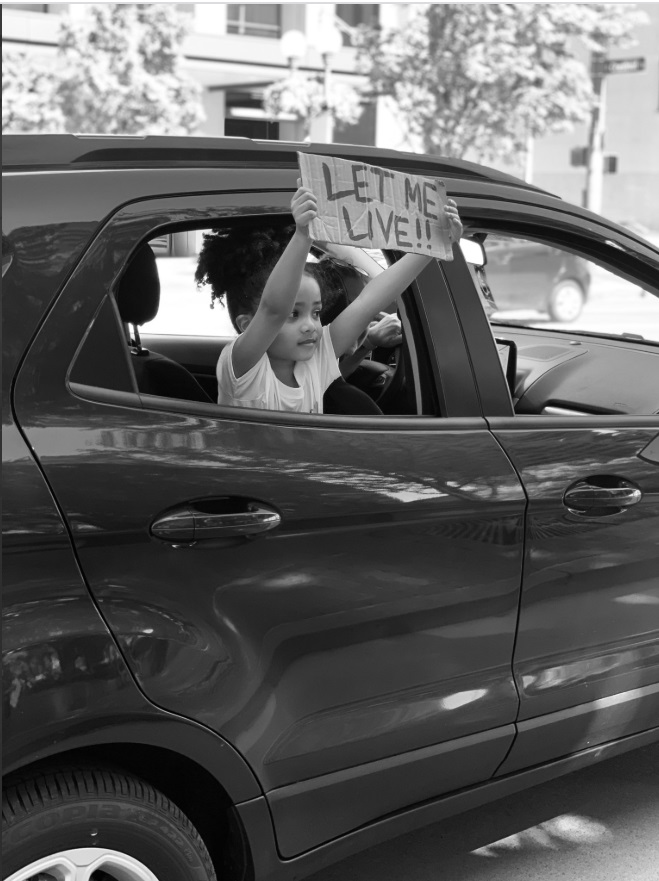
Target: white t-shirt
pixel 260 388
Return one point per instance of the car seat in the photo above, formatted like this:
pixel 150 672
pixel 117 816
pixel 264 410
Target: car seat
pixel 138 299
pixel 345 398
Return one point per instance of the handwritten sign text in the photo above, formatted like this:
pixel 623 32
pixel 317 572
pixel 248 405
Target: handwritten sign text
pixel 373 207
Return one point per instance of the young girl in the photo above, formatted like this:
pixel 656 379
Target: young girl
pixel 283 358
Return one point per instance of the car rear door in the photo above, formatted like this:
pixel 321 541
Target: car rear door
pixel 587 651
pixel 359 654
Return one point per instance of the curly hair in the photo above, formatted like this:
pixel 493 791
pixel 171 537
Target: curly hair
pixel 237 261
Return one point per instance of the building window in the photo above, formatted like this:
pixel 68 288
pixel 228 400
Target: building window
pixel 254 19
pixel 354 14
pixel 27 7
pixel 245 117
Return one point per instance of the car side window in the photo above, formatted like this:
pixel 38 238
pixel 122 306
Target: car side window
pixel 102 359
pixel 184 309
pixel 173 326
pixel 539 285
pixel 575 337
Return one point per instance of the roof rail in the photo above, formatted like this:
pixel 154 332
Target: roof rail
pixel 77 151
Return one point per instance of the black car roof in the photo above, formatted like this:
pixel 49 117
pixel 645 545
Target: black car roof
pixel 79 152
pixel 42 151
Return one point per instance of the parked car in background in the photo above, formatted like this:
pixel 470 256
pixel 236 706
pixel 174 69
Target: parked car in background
pixel 524 274
pixel 243 644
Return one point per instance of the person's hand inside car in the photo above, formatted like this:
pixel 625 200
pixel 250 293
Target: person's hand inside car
pixel 384 333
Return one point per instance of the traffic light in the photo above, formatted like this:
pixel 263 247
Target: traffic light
pixel 578 156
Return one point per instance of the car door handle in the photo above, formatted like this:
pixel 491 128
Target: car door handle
pixel 252 522
pixel 214 519
pixel 601 496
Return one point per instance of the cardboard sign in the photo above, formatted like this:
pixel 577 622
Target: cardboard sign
pixel 373 207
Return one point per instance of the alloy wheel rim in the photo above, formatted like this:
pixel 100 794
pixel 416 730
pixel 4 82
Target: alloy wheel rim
pixel 83 864
pixel 568 302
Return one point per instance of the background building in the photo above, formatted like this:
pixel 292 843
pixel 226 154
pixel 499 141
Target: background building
pixel 630 191
pixel 235 50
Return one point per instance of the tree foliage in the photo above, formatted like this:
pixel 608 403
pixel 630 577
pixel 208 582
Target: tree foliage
pixel 477 80
pixel 304 97
pixel 27 97
pixel 119 73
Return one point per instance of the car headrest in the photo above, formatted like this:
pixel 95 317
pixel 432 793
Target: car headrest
pixel 138 294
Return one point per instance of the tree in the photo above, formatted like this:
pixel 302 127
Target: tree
pixel 304 97
pixel 478 80
pixel 27 97
pixel 120 73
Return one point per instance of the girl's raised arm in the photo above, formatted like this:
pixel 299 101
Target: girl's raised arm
pixel 377 294
pixel 280 290
pixel 382 289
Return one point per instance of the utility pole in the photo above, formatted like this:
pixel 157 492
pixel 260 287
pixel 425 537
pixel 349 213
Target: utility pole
pixel 528 160
pixel 595 148
pixel 600 67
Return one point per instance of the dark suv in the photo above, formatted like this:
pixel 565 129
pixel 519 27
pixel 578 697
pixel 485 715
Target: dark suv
pixel 246 643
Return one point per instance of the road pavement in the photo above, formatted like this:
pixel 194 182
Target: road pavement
pixel 598 824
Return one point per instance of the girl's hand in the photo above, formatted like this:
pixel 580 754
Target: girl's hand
pixel 455 224
pixel 304 208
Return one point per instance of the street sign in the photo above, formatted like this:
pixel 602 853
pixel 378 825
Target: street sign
pixel 617 65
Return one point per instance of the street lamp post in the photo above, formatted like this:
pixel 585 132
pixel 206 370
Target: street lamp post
pixel 329 43
pixel 293 46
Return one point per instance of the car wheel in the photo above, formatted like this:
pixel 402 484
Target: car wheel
pixel 97 825
pixel 566 301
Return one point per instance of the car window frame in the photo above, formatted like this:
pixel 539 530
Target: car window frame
pixel 136 223
pixel 555 228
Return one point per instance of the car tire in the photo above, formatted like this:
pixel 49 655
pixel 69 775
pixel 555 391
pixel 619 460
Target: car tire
pixel 62 823
pixel 566 301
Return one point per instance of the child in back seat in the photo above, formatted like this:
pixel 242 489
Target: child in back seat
pixel 283 359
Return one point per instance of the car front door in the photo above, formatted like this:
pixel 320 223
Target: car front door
pixel 584 442
pixel 359 654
